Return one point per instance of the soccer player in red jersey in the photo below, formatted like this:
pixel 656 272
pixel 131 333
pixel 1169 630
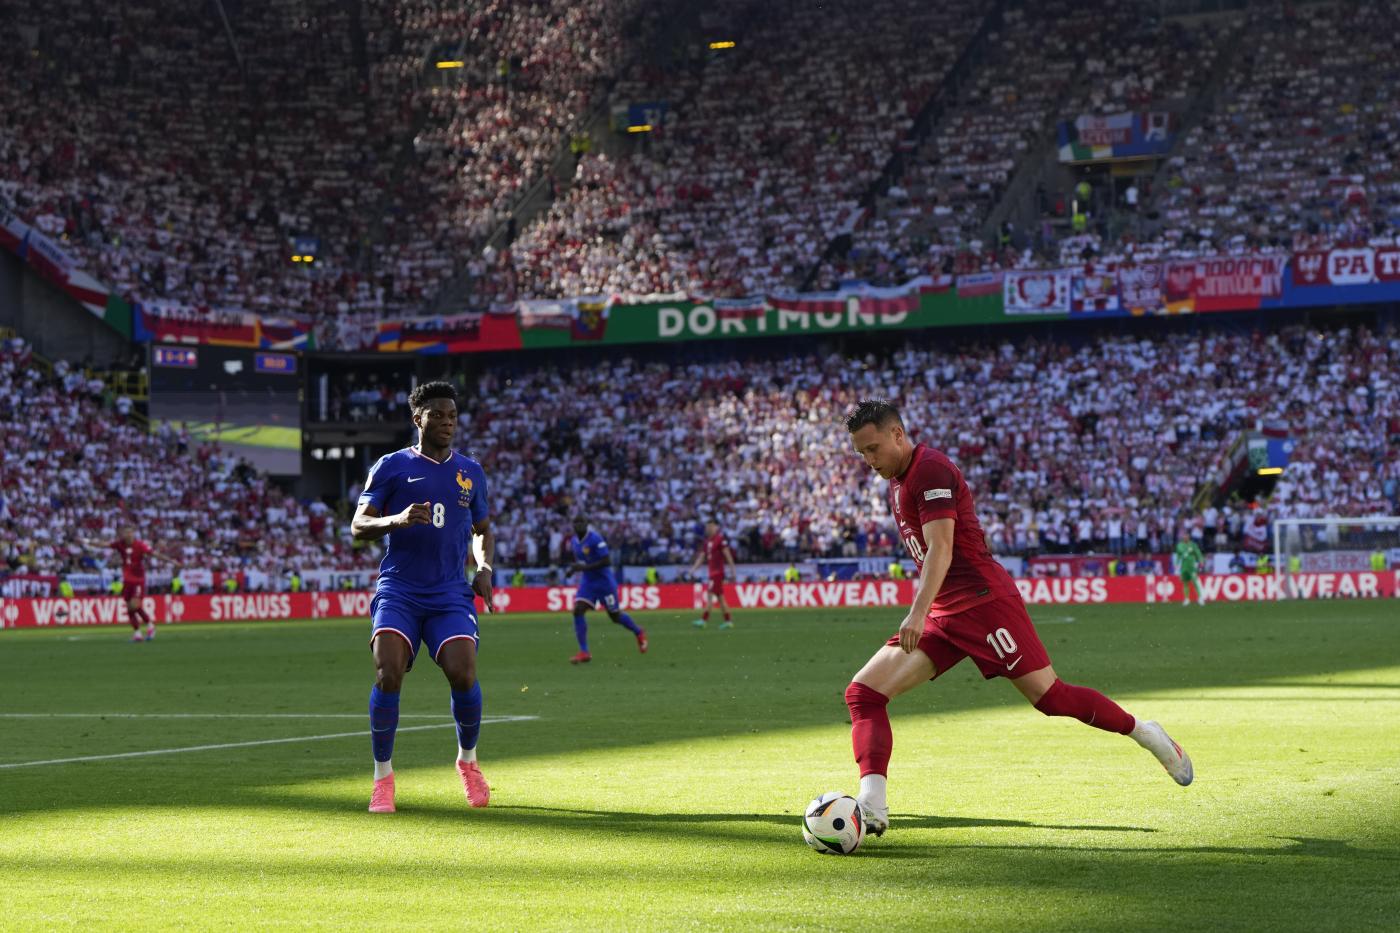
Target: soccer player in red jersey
pixel 715 552
pixel 133 552
pixel 965 605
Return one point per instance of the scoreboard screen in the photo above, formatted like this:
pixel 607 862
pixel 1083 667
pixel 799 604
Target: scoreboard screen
pixel 249 401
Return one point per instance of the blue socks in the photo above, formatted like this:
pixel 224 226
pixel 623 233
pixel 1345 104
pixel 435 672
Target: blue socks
pixel 466 709
pixel 384 720
pixel 581 627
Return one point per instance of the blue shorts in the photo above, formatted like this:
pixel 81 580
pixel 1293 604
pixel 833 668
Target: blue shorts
pixel 433 626
pixel 599 594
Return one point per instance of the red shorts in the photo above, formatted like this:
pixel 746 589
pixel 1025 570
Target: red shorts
pixel 998 635
pixel 133 589
pixel 717 585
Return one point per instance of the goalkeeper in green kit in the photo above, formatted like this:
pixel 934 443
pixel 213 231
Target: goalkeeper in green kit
pixel 1188 559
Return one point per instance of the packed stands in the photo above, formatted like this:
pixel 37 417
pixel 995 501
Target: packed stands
pixel 1096 447
pixel 1303 148
pixel 74 463
pixel 529 73
pixel 174 174
pixel 1046 62
pixel 187 177
pixel 761 160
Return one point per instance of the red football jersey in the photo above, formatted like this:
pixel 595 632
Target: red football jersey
pixel 133 558
pixel 714 553
pixel 933 488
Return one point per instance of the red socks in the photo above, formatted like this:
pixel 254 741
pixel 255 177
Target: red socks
pixel 1088 706
pixel 870 728
pixel 872 739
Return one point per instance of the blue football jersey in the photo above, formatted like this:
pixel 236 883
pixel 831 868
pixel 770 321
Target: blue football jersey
pixel 427 561
pixel 591 548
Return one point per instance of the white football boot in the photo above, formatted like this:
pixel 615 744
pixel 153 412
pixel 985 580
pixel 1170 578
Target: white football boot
pixel 877 820
pixel 1154 738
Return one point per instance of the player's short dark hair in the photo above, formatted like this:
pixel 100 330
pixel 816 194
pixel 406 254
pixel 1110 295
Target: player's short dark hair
pixel 874 411
pixel 428 391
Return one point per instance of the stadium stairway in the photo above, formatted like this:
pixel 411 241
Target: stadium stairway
pixel 1202 104
pixel 457 290
pixel 927 120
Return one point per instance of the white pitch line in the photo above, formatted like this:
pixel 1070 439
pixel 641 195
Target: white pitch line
pixel 211 716
pixel 486 720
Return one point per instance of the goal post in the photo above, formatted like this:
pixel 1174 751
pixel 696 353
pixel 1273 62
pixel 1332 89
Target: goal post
pixel 1334 545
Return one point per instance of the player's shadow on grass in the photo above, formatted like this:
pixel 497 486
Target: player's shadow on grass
pixel 1309 847
pixel 792 819
pixel 1314 685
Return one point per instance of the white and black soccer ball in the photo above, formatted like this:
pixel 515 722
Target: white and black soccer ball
pixel 834 824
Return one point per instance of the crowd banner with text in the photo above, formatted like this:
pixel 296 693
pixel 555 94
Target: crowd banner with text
pixel 1314 278
pixel 1359 266
pixel 1223 283
pixel 28 612
pixel 1092 138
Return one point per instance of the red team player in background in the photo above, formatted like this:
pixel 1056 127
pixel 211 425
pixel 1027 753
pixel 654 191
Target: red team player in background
pixel 715 552
pixel 133 552
pixel 965 605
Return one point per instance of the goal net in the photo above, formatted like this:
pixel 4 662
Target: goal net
pixel 1312 556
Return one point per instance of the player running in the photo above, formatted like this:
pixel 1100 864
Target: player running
pixel 429 500
pixel 715 552
pixel 133 553
pixel 965 605
pixel 1188 560
pixel 596 588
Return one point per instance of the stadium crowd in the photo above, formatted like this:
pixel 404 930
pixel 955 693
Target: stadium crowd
pixel 1303 147
pixel 331 132
pixel 760 159
pixel 98 469
pixel 1095 447
pixel 1297 150
pixel 1034 73
pixel 187 176
pixel 178 174
pixel 1099 447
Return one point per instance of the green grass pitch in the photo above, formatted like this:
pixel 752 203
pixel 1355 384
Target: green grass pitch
pixel 664 791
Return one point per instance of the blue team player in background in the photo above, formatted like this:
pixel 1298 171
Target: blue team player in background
pixel 430 501
pixel 596 589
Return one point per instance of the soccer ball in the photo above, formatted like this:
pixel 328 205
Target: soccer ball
pixel 834 824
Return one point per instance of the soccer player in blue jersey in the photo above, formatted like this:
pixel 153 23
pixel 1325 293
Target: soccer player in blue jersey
pixel 596 588
pixel 430 501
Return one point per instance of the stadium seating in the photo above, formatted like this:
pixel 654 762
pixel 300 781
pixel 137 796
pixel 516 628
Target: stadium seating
pixel 71 464
pixel 1047 62
pixel 1098 447
pixel 761 159
pixel 179 174
pixel 1301 148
